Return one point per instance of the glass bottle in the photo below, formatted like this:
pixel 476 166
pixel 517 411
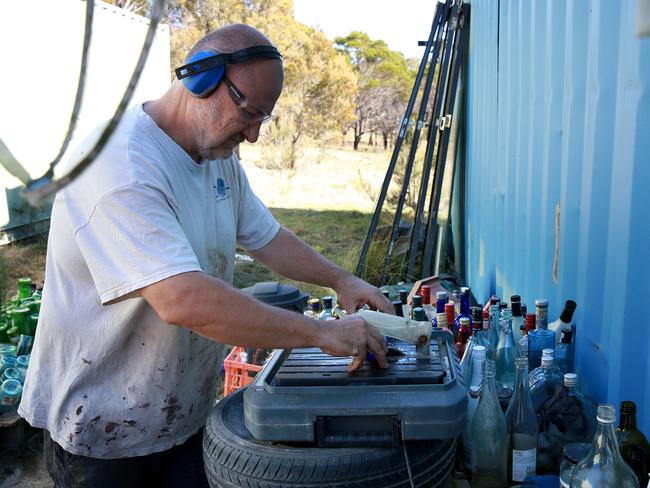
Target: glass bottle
pixel 313 308
pixel 564 352
pixel 517 315
pixel 418 314
pixel 328 304
pixel 24 288
pixel 464 333
pixel 604 466
pixel 638 464
pixel 564 322
pixel 425 291
pixel 478 339
pixel 450 312
pixel 521 422
pixel 493 334
pixel 397 305
pixel 541 338
pixel 544 380
pixel 571 455
pixel 505 356
pixel 473 386
pixel 464 309
pixel 416 302
pixel 523 342
pixel 403 295
pixel 628 434
pixel 489 436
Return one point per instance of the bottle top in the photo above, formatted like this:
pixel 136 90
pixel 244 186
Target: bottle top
pixel 524 309
pixel 416 301
pixel 567 313
pixel 386 293
pixel 22 361
pixel 450 306
pixel 530 321
pixel 464 322
pixel 548 352
pixel 479 352
pixel 541 303
pixel 441 296
pixel 464 289
pixel 503 305
pixel 328 302
pixel 11 387
pixel 515 298
pixel 314 304
pixel 606 414
pixel 570 380
pixel 441 319
pixel 425 291
pixel 494 300
pixel 397 305
pixel 515 305
pixel 418 314
pixel 628 407
pixel 477 315
pixel 403 295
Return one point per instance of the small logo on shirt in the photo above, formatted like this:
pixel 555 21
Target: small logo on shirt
pixel 223 191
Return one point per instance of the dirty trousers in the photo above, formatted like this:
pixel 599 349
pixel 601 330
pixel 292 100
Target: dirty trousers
pixel 179 466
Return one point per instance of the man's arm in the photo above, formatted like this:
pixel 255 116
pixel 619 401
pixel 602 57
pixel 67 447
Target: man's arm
pixel 217 311
pixel 290 256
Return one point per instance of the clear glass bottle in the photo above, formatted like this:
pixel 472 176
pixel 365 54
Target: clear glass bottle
pixel 521 423
pixel 473 386
pixel 313 308
pixel 571 455
pixel 493 334
pixel 477 339
pixel 326 313
pixel 464 309
pixel 544 380
pixel 564 321
pixel 628 435
pixel 541 338
pixel 489 436
pixel 505 356
pixel 523 342
pixel 564 352
pixel 603 466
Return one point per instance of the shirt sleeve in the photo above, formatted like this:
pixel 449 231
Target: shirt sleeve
pixel 131 240
pixel 256 225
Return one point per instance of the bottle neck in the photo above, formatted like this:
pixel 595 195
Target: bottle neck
pixel 464 304
pixel 605 445
pixel 628 421
pixel 521 383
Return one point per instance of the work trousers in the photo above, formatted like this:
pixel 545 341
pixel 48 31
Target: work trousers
pixel 180 466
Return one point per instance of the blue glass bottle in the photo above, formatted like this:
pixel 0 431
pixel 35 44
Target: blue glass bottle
pixel 541 338
pixel 565 352
pixel 464 309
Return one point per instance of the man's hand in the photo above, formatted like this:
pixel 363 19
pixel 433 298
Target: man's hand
pixel 353 293
pixel 353 337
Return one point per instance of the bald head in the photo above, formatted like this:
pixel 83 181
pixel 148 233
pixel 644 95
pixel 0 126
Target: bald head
pixel 231 38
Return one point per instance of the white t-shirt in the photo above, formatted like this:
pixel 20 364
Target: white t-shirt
pixel 107 378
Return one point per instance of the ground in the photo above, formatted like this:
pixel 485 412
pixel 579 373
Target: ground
pixel 326 200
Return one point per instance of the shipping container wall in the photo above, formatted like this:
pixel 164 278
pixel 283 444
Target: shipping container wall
pixel 42 43
pixel 558 176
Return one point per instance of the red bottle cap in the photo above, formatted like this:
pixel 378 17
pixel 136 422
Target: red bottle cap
pixel 425 291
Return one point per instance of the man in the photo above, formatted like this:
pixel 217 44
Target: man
pixel 146 238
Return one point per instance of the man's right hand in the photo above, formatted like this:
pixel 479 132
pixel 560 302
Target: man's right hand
pixel 353 337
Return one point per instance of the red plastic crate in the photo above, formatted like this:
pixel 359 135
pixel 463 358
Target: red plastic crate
pixel 238 374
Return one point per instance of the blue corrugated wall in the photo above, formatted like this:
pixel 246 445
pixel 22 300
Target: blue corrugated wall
pixel 558 176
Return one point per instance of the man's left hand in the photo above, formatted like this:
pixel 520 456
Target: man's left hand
pixel 353 293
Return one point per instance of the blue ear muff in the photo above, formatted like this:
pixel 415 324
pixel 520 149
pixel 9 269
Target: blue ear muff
pixel 206 81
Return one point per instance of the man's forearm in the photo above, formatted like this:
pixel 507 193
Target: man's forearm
pixel 219 312
pixel 290 256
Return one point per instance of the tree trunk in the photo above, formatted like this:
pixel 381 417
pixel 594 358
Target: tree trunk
pixel 370 140
pixel 357 140
pixel 385 134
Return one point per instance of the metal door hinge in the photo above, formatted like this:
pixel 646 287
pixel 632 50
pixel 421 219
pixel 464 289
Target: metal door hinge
pixel 444 122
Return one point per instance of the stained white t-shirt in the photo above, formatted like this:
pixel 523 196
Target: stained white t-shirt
pixel 108 378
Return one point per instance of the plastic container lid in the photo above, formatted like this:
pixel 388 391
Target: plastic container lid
pixel 278 294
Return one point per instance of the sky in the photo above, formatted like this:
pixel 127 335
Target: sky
pixel 400 23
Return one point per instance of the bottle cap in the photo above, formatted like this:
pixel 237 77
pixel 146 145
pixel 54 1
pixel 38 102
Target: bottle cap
pixel 479 352
pixel 418 314
pixel 570 380
pixel 328 302
pixel 515 305
pixel 403 295
pixel 515 298
pixel 397 305
pixel 548 352
pixel 547 361
pixel 386 293
pixel 494 300
pixel 441 296
pixel 314 304
pixel 628 406
pixel 541 303
pixel 567 313
pixel 530 321
pixel 477 315
pixel 441 319
pixel 524 309
pixel 416 301
pixel 425 291
pixel 464 322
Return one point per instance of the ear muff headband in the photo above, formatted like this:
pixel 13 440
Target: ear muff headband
pixel 204 70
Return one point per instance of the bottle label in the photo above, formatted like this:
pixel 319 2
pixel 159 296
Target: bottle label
pixel 523 464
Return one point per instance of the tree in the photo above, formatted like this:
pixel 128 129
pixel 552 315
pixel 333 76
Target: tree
pixel 384 79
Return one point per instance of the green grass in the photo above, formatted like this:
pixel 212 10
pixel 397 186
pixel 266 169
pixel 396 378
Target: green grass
pixel 337 235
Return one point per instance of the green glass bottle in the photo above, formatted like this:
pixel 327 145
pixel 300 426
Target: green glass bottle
pixel 20 321
pixel 24 288
pixel 627 433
